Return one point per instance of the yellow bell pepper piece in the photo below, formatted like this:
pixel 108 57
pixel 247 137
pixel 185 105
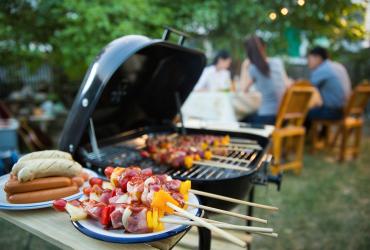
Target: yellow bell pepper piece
pixel 208 155
pixel 186 198
pixel 115 174
pixel 160 213
pixel 216 143
pixel 160 199
pixel 160 227
pixel 225 140
pixel 204 146
pixel 155 218
pixel 185 186
pixel 149 219
pixel 188 161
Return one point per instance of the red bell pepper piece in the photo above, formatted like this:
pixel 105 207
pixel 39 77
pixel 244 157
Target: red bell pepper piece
pixel 105 216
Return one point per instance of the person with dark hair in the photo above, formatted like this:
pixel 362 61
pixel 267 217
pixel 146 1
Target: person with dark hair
pixel 216 77
pixel 332 81
pixel 266 75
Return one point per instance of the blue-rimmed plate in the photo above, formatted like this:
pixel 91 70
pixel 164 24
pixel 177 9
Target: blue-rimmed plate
pixel 4 204
pixel 93 229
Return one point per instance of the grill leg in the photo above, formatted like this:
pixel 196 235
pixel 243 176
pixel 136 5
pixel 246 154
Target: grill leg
pixel 250 213
pixel 204 238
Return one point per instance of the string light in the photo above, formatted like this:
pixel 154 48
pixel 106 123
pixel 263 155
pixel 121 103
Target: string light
pixel 284 11
pixel 272 16
pixel 300 2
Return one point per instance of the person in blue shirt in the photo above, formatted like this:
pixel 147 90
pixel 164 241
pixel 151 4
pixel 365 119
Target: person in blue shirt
pixel 330 83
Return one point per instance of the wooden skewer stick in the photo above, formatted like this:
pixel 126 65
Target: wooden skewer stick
pixel 210 226
pixel 220 211
pixel 217 164
pixel 224 198
pixel 256 229
pixel 274 235
pixel 230 159
pixel 218 224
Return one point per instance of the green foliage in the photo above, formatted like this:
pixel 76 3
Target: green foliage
pixel 73 32
pixel 69 34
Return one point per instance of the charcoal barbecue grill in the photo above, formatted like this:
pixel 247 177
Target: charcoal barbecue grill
pixel 132 91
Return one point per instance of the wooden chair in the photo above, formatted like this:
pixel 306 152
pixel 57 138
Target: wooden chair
pixel 347 131
pixel 289 134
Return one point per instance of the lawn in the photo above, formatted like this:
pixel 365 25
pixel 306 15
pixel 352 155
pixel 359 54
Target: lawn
pixel 326 207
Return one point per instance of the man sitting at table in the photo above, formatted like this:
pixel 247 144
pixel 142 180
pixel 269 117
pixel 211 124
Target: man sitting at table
pixel 332 81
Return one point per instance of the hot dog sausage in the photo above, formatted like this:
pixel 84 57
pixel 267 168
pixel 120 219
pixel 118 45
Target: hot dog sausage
pixel 14 186
pixel 78 180
pixel 43 195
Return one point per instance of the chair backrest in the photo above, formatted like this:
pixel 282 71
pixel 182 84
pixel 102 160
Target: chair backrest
pixel 357 102
pixel 295 104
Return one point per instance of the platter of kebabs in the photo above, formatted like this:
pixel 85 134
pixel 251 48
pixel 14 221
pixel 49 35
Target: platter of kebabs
pixel 135 206
pixel 39 178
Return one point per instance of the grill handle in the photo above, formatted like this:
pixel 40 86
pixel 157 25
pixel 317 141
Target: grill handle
pixel 263 177
pixel 276 179
pixel 167 32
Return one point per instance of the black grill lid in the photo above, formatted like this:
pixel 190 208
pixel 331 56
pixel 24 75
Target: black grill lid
pixel 132 83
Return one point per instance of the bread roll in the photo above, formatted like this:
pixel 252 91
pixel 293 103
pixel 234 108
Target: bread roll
pixel 38 168
pixel 46 154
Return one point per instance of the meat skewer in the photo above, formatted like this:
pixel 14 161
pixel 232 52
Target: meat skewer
pixel 137 200
pixel 189 150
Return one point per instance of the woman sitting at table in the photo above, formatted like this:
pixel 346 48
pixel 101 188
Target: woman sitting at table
pixel 267 75
pixel 216 77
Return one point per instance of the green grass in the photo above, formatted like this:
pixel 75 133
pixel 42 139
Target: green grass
pixel 326 207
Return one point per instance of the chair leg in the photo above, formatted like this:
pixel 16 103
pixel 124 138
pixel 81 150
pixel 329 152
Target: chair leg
pixel 276 152
pixel 313 132
pixel 357 142
pixel 299 153
pixel 343 143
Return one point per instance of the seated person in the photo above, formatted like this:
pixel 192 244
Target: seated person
pixel 216 77
pixel 332 81
pixel 269 78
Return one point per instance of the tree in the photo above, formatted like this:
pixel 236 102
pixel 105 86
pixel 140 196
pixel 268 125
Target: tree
pixel 68 34
pixel 227 22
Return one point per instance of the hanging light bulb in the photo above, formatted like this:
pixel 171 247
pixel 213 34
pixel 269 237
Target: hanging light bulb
pixel 300 2
pixel 284 11
pixel 272 16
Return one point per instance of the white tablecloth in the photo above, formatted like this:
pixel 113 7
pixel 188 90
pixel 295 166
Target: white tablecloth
pixel 209 106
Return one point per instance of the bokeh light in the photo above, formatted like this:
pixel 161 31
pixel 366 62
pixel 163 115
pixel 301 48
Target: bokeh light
pixel 284 11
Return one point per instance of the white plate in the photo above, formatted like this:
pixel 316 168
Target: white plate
pixel 4 204
pixel 95 230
